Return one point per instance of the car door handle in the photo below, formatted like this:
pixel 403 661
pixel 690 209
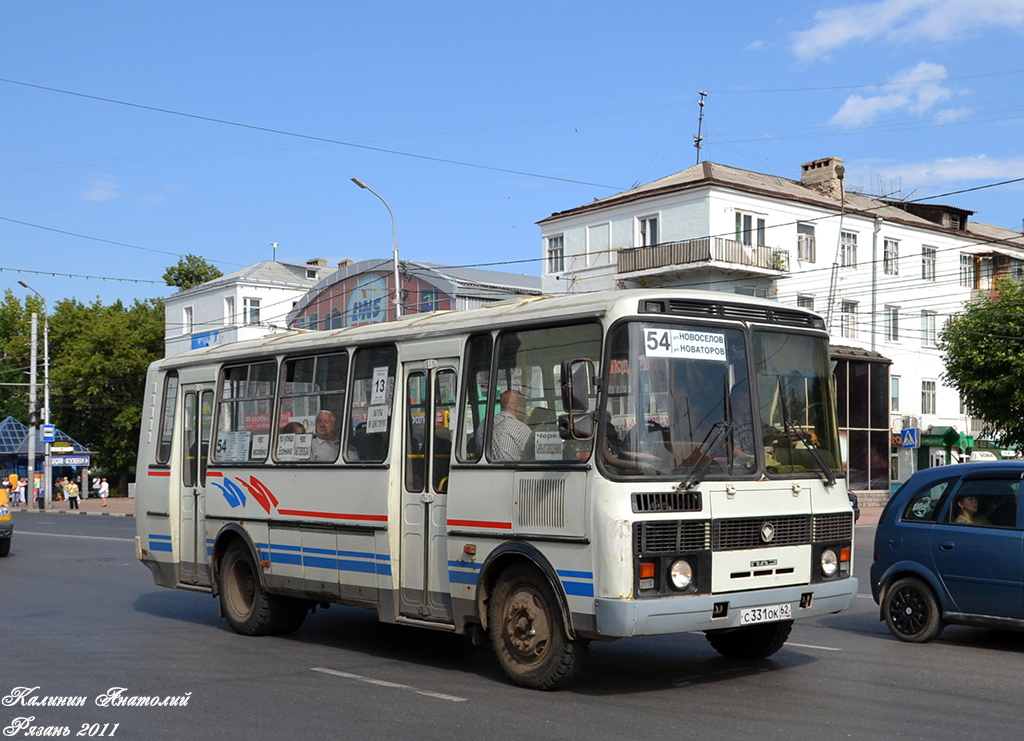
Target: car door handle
pixel 946 545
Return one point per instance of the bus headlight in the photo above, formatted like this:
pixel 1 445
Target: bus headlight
pixel 681 574
pixel 829 562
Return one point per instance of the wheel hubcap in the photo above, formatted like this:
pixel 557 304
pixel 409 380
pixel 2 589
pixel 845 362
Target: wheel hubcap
pixel 527 628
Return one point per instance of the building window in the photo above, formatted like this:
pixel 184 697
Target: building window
pixel 928 335
pixel 966 271
pixel 848 249
pixel 188 321
pixel 848 319
pixel 430 301
pixel 805 302
pixel 647 231
pixel 927 397
pixel 892 257
pixel 894 393
pixel 894 468
pixel 805 247
pixel 749 229
pixel 556 254
pixel 251 311
pixel 1017 270
pixel 928 258
pixel 985 274
pixel 754 291
pixel 229 311
pixel 892 323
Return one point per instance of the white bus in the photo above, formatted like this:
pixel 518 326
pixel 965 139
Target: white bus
pixel 666 461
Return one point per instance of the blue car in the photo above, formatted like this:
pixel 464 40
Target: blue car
pixel 949 549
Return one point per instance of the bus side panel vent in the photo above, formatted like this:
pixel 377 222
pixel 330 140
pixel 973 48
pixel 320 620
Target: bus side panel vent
pixel 667 501
pixel 541 503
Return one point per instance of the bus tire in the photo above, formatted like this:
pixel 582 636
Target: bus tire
pixel 751 642
pixel 293 615
pixel 528 634
pixel 250 610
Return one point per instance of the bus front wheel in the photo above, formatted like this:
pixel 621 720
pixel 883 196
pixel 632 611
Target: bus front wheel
pixel 527 632
pixel 250 610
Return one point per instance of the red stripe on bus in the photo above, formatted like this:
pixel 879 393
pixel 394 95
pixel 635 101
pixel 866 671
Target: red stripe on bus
pixel 159 473
pixel 480 523
pixel 332 515
pixel 218 474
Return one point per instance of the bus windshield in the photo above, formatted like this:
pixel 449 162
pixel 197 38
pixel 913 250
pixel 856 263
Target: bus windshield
pixel 682 402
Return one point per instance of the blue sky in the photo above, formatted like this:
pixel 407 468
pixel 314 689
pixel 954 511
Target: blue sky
pixel 473 120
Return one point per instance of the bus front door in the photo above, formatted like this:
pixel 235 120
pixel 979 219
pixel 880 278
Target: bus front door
pixel 197 419
pixel 429 403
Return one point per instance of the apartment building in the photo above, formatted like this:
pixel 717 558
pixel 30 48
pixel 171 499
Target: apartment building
pixel 885 273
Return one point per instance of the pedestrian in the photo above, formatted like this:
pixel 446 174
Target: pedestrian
pixel 104 491
pixel 72 493
pixel 59 488
pixel 21 491
pixel 96 487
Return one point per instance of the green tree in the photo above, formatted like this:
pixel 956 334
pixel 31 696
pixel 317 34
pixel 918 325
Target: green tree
pixel 99 356
pixel 15 347
pixel 983 350
pixel 189 272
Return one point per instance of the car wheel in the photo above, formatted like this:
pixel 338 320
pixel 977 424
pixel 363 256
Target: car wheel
pixel 911 611
pixel 527 633
pixel 5 546
pixel 752 642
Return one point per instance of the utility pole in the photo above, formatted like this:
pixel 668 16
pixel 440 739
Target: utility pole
pixel 698 139
pixel 32 414
pixel 840 173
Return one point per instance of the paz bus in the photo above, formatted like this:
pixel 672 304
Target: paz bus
pixel 675 467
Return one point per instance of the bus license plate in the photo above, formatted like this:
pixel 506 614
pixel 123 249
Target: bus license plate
pixel 768 614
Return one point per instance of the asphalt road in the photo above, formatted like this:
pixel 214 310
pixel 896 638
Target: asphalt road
pixel 81 616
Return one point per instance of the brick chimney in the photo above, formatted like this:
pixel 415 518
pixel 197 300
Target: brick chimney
pixel 317 262
pixel 821 176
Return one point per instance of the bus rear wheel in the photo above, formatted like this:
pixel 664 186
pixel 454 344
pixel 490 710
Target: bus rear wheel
pixel 250 610
pixel 527 632
pixel 752 642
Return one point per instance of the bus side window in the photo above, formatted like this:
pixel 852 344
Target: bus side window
pixel 476 398
pixel 373 390
pixel 170 404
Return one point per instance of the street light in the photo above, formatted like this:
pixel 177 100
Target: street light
pixel 47 468
pixel 394 245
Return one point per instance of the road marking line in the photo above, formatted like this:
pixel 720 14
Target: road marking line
pixel 392 685
pixel 86 537
pixel 805 645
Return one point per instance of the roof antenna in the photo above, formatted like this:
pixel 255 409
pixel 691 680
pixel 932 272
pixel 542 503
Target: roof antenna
pixel 274 245
pixel 698 139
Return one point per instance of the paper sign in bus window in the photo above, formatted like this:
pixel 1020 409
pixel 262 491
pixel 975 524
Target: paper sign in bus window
pixel 662 342
pixel 379 393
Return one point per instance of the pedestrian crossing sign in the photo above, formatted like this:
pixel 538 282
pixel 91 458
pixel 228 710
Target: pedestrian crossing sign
pixel 910 438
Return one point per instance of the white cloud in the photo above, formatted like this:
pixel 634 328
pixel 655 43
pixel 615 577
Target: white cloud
pixel 153 199
pixel 102 188
pixel 904 20
pixel 916 90
pixel 757 44
pixel 943 171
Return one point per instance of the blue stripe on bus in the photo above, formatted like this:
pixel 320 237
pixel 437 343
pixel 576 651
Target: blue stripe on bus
pixel 159 545
pixel 576 574
pixel 153 537
pixel 462 577
pixel 578 589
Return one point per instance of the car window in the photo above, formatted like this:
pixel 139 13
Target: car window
pixel 985 502
pixel 924 505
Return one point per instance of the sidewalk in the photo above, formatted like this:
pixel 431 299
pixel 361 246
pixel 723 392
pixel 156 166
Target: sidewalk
pixel 116 507
pixel 869 515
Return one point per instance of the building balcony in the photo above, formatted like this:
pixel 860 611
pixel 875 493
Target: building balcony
pixel 726 253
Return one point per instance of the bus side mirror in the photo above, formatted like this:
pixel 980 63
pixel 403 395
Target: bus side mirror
pixel 577 378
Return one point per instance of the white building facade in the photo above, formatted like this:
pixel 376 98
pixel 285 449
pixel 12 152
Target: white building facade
pixel 246 304
pixel 885 274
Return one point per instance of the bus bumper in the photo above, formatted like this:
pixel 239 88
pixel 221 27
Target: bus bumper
pixel 619 618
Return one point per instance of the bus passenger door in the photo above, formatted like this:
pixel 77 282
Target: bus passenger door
pixel 429 408
pixel 197 419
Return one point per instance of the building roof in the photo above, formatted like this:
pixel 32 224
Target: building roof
pixel 14 439
pixel 268 273
pixel 708 174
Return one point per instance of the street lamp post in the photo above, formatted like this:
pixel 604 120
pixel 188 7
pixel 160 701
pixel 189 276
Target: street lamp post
pixel 394 246
pixel 47 467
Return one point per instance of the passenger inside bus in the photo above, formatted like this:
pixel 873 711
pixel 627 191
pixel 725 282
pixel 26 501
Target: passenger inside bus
pixel 509 434
pixel 324 446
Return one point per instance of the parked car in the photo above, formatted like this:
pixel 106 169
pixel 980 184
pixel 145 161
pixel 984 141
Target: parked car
pixel 6 522
pixel 949 548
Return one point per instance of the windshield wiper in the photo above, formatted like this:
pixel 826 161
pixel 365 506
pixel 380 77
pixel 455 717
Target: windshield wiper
pixel 706 449
pixel 826 473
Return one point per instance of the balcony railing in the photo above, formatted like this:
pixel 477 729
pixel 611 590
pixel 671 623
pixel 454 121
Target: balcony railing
pixel 705 249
